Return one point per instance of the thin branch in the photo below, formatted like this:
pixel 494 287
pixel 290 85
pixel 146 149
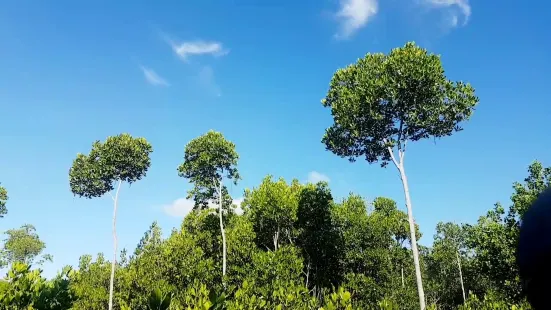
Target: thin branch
pixel 391 152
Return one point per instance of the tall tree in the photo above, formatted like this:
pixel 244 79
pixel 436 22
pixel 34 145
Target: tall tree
pixel 118 159
pixel 23 245
pixel 3 201
pixel 208 160
pixel 383 101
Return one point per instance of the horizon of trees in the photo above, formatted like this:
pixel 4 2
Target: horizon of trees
pixel 360 257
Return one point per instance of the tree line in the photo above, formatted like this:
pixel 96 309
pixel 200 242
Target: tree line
pixel 294 246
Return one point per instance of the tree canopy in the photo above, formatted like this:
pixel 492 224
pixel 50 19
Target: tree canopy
pixel 386 100
pixel 119 158
pixel 23 245
pixel 207 160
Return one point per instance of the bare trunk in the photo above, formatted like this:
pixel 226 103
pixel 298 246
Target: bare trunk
pixel 461 277
pixel 114 262
pixel 307 274
pixel 276 239
pixel 220 200
pixel 413 239
pixel 403 283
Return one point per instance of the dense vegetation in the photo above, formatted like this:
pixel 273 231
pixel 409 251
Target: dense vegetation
pixel 291 245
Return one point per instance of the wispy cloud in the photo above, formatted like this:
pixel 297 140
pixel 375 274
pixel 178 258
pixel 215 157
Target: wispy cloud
pixel 315 177
pixel 181 207
pixel 195 48
pixel 354 15
pixel 153 78
pixel 457 9
pixel 207 81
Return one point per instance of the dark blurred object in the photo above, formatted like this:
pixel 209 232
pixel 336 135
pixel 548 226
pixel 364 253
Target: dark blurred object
pixel 534 252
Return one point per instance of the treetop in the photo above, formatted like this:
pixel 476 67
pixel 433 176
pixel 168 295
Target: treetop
pixel 383 101
pixel 209 157
pixel 119 158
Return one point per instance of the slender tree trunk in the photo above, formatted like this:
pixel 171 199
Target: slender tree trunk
pixel 307 274
pixel 276 239
pixel 114 262
pixel 413 238
pixel 220 200
pixel 403 283
pixel 461 277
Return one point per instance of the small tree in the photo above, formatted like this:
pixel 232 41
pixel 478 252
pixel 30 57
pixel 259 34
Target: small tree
pixel 23 245
pixel 383 101
pixel 119 159
pixel 449 251
pixel 272 208
pixel 3 201
pixel 209 159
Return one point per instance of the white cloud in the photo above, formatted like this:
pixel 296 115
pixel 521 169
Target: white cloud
pixel 353 15
pixel 195 48
pixel 457 8
pixel 153 78
pixel 315 177
pixel 181 207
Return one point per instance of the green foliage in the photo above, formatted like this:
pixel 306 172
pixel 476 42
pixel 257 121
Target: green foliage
pixel 272 207
pixel 159 300
pixel 207 160
pixel 120 158
pixel 198 297
pixel 449 253
pixel 386 100
pixel 319 238
pixel 495 236
pixel 339 300
pixel 90 283
pixel 283 295
pixel 28 290
pixel 492 302
pixel 270 268
pixel 241 249
pixel 23 245
pixel 151 239
pixel 203 227
pixel 3 200
pixel 345 255
pixel 396 221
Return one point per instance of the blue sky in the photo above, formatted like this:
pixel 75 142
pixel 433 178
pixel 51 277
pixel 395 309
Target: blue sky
pixel 74 73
